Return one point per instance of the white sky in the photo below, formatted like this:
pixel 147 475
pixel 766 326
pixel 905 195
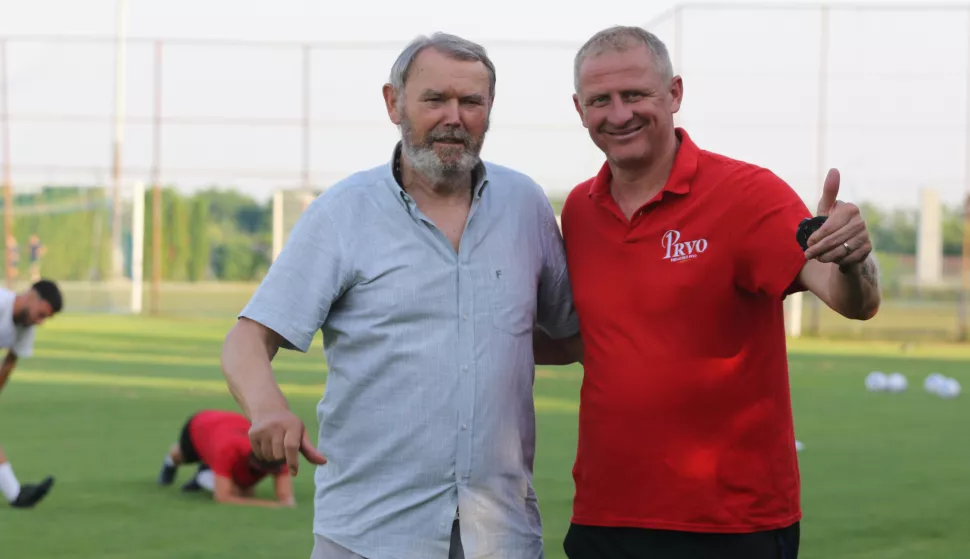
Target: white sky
pixel 895 122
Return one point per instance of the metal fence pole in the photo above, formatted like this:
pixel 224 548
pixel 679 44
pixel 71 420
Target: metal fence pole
pixel 156 178
pixel 307 92
pixel 119 131
pixel 7 180
pixel 963 321
pixel 822 127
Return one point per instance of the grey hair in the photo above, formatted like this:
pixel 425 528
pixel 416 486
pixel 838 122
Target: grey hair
pixel 450 45
pixel 621 38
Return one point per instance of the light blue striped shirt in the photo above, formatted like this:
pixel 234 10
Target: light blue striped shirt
pixel 428 406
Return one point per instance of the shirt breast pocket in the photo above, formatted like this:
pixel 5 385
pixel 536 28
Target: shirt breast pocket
pixel 511 289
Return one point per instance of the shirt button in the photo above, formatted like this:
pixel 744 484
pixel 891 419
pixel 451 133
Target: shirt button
pixel 464 368
pixel 465 316
pixel 464 426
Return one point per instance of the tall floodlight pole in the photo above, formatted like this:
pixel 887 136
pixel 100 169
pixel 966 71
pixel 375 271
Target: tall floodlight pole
pixel 117 264
pixel 822 127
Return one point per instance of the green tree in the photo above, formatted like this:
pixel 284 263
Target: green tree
pixel 239 233
pixel 234 261
pixel 178 249
pixel 149 236
pixel 73 224
pixel 900 231
pixel 198 231
pixel 952 231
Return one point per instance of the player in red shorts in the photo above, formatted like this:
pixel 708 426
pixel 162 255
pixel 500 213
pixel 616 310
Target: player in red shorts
pixel 218 441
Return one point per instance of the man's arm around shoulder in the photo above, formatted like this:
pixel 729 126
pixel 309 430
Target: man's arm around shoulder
pixel 555 337
pixel 549 351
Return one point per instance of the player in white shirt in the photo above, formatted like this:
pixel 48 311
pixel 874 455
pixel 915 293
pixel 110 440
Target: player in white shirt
pixel 20 314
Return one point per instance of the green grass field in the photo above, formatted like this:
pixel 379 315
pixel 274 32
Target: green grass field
pixel 884 476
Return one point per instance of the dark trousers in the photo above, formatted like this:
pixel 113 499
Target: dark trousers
pixel 594 542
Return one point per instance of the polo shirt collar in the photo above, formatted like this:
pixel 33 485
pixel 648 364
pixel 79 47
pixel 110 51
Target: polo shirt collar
pixel 393 169
pixel 681 173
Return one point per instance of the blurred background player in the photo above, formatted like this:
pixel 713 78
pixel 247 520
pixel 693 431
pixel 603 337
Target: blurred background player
pixel 218 441
pixel 19 314
pixel 36 250
pixel 13 264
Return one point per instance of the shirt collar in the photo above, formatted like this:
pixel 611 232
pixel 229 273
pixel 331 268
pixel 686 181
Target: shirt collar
pixel 681 174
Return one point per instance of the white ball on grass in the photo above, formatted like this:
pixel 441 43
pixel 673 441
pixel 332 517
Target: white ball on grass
pixel 896 382
pixel 950 388
pixel 876 381
pixel 934 383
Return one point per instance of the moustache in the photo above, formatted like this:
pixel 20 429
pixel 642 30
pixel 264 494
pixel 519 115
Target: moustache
pixel 450 136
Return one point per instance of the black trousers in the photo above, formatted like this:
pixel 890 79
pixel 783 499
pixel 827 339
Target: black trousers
pixel 594 542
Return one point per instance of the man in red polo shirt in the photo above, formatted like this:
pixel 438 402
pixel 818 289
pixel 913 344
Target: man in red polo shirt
pixel 680 260
pixel 219 442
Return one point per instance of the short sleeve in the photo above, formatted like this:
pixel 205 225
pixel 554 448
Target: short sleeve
pixel 556 313
pixel 311 272
pixel 23 346
pixel 770 257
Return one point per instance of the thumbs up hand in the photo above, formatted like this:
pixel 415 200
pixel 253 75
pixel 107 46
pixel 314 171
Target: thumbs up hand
pixel 843 239
pixel 830 192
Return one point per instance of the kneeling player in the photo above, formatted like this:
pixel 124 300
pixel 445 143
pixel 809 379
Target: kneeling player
pixel 219 442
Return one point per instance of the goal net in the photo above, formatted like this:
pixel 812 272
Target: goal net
pixel 66 234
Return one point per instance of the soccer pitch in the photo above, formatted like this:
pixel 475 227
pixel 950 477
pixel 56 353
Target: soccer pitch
pixel 884 475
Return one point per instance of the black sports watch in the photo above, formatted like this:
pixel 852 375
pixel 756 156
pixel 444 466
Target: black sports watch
pixel 808 226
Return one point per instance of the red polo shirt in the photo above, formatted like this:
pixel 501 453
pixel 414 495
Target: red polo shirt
pixel 685 418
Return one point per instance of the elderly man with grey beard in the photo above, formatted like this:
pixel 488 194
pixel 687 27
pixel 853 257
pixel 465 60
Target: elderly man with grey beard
pixel 431 277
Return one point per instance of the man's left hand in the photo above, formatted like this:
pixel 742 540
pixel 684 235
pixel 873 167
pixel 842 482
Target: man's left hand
pixel 843 239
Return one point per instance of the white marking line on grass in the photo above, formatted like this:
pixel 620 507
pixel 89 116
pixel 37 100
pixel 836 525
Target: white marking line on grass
pixel 542 403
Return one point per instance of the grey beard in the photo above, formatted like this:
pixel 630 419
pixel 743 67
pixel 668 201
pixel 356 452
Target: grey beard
pixel 450 175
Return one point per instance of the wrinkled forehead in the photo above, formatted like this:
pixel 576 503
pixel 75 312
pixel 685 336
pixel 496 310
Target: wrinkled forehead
pixel 610 69
pixel 433 71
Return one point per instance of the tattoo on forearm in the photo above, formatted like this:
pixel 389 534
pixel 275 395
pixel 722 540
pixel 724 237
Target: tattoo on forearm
pixel 869 272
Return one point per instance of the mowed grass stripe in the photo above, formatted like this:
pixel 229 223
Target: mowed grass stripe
pixel 135 381
pixel 195 335
pixel 835 348
pixel 54 353
pixel 542 403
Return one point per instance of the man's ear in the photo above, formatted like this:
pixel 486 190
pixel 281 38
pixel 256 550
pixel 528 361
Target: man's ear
pixel 390 101
pixel 676 93
pixel 579 109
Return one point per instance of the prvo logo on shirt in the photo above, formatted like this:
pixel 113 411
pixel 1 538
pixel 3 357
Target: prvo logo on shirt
pixel 678 251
